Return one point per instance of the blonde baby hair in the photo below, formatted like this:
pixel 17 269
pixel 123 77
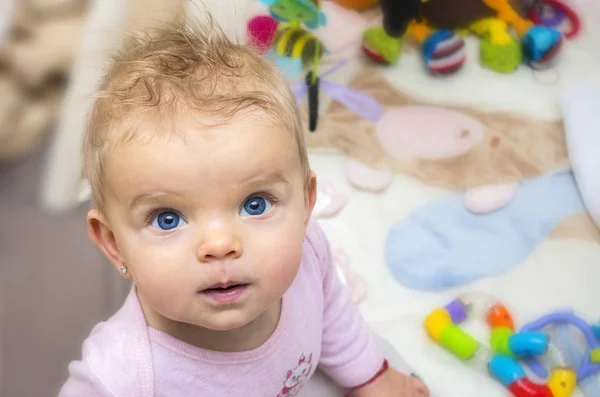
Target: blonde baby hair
pixel 196 69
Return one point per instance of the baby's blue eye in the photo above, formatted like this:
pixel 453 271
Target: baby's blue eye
pixel 255 206
pixel 167 220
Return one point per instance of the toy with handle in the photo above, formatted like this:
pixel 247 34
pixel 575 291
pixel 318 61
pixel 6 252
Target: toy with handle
pixel 500 360
pixel 591 361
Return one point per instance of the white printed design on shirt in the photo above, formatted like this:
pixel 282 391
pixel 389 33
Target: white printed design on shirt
pixel 296 377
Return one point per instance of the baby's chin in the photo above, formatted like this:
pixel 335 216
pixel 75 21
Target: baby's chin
pixel 231 320
pixel 228 322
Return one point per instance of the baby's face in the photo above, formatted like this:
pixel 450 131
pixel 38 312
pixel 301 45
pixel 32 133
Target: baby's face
pixel 210 226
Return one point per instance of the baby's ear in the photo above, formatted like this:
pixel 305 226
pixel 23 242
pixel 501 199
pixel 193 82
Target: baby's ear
pixel 310 197
pixel 102 235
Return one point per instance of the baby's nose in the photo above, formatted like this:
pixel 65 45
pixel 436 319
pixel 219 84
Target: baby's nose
pixel 219 245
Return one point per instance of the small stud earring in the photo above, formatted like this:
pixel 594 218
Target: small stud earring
pixel 124 269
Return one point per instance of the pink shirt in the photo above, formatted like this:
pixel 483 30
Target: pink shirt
pixel 319 325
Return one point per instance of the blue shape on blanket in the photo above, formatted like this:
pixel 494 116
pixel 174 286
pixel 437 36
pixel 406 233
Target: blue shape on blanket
pixel 442 244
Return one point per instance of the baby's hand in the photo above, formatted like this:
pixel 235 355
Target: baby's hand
pixel 392 383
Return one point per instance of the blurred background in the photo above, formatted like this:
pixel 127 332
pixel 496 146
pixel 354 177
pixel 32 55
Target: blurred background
pixel 55 285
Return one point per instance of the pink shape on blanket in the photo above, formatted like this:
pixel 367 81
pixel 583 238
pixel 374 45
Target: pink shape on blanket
pixel 366 178
pixel 350 24
pixel 427 132
pixel 489 198
pixel 329 200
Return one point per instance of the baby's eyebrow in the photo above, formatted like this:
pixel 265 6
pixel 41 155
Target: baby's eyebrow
pixel 262 180
pixel 148 197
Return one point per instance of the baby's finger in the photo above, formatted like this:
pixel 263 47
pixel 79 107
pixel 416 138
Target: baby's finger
pixel 420 387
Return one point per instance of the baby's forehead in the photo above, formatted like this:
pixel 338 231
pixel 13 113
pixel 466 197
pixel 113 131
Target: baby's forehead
pixel 244 134
pixel 200 162
pixel 149 126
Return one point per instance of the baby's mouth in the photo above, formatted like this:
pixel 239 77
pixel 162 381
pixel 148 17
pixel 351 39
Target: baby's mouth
pixel 224 287
pixel 225 293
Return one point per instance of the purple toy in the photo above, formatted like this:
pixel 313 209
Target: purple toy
pixel 358 102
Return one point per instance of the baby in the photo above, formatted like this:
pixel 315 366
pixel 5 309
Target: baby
pixel 203 193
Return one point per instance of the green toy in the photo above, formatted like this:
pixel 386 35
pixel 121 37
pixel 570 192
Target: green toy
pixel 303 11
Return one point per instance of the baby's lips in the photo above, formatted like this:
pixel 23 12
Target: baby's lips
pixel 224 285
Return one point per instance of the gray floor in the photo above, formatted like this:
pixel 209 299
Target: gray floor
pixel 54 285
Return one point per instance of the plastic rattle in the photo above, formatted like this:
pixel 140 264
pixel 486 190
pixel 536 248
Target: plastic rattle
pixel 442 325
pixel 591 362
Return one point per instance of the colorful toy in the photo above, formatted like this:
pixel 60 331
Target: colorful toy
pixel 437 24
pixel 574 347
pixel 591 361
pixel 360 103
pixel 290 46
pixel 293 47
pixel 297 43
pixel 552 13
pixel 303 11
pixel 442 325
pixel 281 36
pixel 262 30
pixel 358 5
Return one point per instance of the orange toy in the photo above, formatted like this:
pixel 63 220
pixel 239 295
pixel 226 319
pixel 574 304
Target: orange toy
pixel 358 5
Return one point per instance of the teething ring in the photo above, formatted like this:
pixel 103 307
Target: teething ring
pixel 559 8
pixel 442 325
pixel 587 366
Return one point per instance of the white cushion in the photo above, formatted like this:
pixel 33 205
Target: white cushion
pixel 6 7
pixel 581 114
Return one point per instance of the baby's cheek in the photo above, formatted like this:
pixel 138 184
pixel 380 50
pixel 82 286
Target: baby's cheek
pixel 283 258
pixel 156 267
pixel 153 265
pixel 166 290
pixel 159 254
